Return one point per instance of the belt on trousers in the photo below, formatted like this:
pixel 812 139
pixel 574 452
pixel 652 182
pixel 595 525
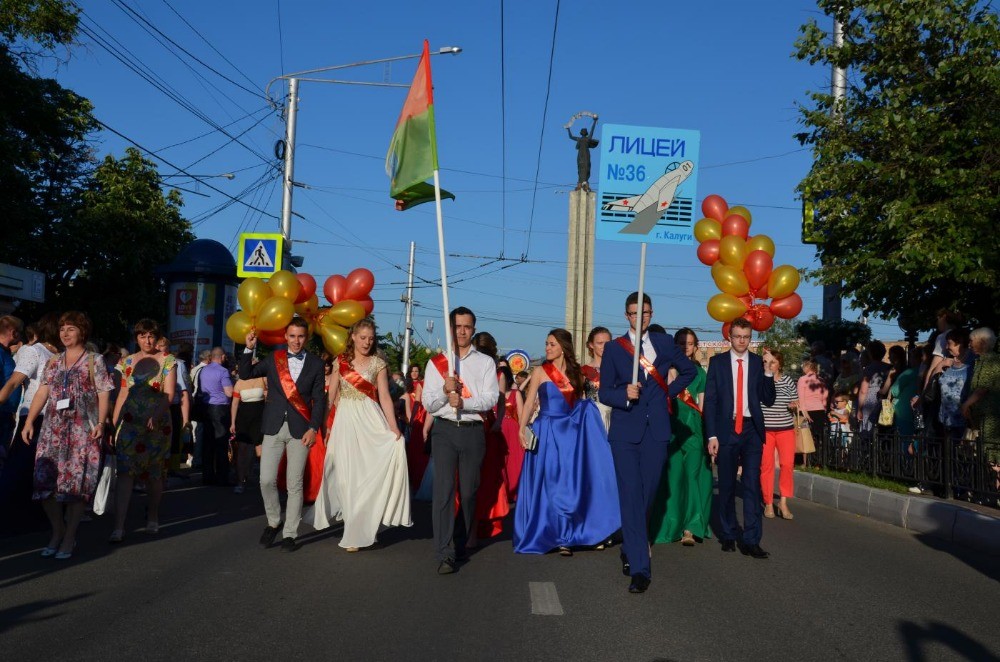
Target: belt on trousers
pixel 462 424
pixel 746 419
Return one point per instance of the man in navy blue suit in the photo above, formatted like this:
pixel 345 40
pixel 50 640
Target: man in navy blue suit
pixel 734 423
pixel 640 426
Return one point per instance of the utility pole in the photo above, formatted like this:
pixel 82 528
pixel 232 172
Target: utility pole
pixel 408 298
pixel 832 303
pixel 288 180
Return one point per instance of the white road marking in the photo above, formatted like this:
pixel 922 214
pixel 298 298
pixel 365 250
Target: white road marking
pixel 544 599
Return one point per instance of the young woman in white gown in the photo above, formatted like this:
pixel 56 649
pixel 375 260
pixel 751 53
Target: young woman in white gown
pixel 365 481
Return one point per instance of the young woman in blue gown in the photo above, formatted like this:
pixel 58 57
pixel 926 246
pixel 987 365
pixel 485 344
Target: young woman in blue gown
pixel 568 496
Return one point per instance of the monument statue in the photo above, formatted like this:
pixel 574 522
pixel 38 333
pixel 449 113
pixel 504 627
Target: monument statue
pixel 584 143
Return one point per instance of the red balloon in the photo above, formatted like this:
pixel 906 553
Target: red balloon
pixel 725 330
pixel 272 338
pixel 761 292
pixel 359 284
pixel 788 307
pixel 747 299
pixel 308 289
pixel 735 225
pixel 334 288
pixel 757 268
pixel 714 206
pixel 708 252
pixel 367 304
pixel 762 317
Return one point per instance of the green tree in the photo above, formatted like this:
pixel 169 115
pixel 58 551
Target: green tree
pixel 906 176
pixel 33 28
pixel 126 227
pixel 836 335
pixel 393 348
pixel 784 337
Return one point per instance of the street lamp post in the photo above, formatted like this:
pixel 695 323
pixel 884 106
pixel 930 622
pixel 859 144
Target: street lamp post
pixel 291 111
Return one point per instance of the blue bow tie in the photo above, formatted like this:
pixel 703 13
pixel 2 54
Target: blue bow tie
pixel 299 356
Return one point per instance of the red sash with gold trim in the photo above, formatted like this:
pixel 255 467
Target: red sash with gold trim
pixel 650 368
pixel 354 378
pixel 440 362
pixel 288 385
pixel 561 381
pixel 689 400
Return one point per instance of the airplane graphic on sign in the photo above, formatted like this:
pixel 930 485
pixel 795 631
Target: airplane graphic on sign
pixel 259 254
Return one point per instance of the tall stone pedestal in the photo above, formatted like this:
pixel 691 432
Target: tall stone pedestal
pixel 580 270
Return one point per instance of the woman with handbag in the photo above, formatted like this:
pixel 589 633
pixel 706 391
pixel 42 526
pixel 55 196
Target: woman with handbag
pixel 899 389
pixel 74 395
pixel 779 434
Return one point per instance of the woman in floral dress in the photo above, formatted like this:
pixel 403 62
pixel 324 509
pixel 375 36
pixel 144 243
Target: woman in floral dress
pixel 142 416
pixel 74 395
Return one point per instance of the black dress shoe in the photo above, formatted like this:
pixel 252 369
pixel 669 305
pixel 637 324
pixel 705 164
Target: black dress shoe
pixel 754 551
pixel 626 568
pixel 447 567
pixel 290 545
pixel 729 545
pixel 639 584
pixel 270 533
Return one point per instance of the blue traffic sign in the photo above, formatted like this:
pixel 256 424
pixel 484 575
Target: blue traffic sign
pixel 647 182
pixel 259 254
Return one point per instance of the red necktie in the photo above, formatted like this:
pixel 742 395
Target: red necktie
pixel 739 396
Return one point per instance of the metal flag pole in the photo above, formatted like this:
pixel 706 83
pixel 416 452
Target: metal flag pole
pixel 638 316
pixel 448 340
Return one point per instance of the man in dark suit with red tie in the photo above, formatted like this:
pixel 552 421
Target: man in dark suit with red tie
pixel 736 388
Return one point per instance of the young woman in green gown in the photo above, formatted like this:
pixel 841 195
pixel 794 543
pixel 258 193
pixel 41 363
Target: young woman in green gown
pixel 683 504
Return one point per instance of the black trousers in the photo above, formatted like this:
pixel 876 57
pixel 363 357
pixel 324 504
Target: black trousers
pixel 456 449
pixel 215 454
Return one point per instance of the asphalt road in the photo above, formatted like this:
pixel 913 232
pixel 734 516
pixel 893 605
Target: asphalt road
pixel 836 587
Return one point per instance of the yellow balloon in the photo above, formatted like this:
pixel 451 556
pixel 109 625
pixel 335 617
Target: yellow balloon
pixel 334 337
pixel 725 307
pixel 760 242
pixel 252 294
pixel 284 284
pixel 707 228
pixel 730 279
pixel 275 314
pixel 308 309
pixel 733 251
pixel 345 313
pixel 740 210
pixel 238 326
pixel 783 281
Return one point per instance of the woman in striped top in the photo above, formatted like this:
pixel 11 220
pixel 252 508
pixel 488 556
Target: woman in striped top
pixel 779 433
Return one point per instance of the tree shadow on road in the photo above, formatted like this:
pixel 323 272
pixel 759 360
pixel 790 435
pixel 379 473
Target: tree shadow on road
pixel 20 614
pixel 981 561
pixel 917 637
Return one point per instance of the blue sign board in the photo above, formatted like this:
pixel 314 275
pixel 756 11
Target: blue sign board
pixel 259 254
pixel 647 182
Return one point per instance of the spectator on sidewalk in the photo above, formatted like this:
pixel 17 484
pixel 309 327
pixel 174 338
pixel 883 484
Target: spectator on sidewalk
pixel 813 396
pixel 10 332
pixel 779 435
pixel 982 408
pixel 946 321
pixel 197 427
pixel 817 354
pixel 215 392
pixel 873 377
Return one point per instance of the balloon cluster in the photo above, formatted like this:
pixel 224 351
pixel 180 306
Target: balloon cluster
pixel 743 268
pixel 268 307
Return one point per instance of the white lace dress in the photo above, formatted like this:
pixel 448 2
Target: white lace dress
pixel 365 481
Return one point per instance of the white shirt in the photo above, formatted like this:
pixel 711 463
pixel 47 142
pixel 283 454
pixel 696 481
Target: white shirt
pixel 295 364
pixel 30 361
pixel 647 347
pixel 479 374
pixel 745 356
pixel 181 381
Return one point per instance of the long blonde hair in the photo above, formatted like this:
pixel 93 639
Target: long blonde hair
pixel 348 353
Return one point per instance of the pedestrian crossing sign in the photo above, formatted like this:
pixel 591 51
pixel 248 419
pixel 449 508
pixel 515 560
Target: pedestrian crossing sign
pixel 259 254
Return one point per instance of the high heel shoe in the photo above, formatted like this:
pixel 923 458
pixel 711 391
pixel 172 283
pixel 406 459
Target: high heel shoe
pixel 62 556
pixel 769 510
pixel 785 512
pixel 688 539
pixel 49 551
pixel 565 551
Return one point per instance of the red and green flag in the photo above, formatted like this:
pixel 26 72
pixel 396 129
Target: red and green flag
pixel 412 157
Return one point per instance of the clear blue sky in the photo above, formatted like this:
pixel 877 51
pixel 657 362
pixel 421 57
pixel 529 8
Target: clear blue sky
pixel 722 68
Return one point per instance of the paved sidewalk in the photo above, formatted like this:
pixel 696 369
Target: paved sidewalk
pixel 974 527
